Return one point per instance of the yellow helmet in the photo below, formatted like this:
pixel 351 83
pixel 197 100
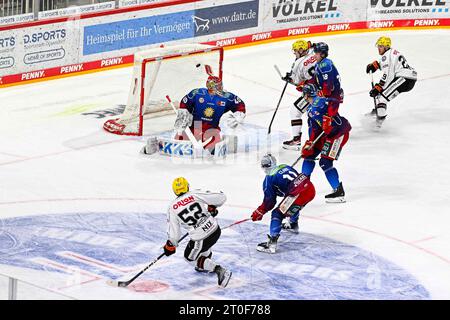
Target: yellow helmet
pixel 300 45
pixel 383 41
pixel 180 185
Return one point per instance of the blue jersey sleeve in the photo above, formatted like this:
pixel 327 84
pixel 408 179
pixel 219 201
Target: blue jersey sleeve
pixel 270 195
pixel 234 103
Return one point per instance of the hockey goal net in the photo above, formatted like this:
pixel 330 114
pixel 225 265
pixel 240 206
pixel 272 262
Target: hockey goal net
pixel 172 70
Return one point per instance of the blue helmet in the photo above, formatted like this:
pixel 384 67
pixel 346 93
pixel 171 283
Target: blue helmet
pixel 321 47
pixel 310 90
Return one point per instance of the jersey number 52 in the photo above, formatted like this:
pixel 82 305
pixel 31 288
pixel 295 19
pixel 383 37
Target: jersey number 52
pixel 192 214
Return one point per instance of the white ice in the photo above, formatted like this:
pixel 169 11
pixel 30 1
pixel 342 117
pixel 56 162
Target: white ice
pixel 53 160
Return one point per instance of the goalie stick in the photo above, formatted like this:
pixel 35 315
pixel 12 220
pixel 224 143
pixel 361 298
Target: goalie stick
pixel 123 284
pixel 195 142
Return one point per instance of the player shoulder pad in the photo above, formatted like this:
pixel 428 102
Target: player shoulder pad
pixel 193 93
pixel 276 169
pixel 325 65
pixel 227 95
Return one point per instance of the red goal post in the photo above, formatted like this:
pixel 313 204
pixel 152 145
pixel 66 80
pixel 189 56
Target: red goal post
pixel 172 70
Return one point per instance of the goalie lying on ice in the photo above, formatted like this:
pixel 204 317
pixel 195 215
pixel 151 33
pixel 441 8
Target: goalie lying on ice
pixel 201 111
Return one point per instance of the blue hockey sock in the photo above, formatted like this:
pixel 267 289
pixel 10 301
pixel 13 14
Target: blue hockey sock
pixel 275 223
pixel 333 178
pixel 308 167
pixel 330 172
pixel 294 217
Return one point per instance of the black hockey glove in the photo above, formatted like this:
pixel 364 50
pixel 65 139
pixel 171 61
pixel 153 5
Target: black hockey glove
pixel 287 77
pixel 169 248
pixel 372 67
pixel 377 89
pixel 213 210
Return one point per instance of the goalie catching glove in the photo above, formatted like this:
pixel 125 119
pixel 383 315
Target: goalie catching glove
pixel 184 120
pixel 235 119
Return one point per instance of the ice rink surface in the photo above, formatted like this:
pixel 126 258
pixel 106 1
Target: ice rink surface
pixel 79 206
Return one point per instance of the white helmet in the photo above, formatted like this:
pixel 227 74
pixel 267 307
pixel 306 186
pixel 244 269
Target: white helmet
pixel 268 162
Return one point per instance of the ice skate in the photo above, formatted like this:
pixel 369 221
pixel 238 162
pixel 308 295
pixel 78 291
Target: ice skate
pixel 223 276
pixel 293 144
pixel 337 196
pixel 269 246
pixel 379 121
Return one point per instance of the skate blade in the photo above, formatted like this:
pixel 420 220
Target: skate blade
pixel 202 270
pixel 335 200
pixel 292 231
pixel 294 148
pixel 226 279
pixel 265 250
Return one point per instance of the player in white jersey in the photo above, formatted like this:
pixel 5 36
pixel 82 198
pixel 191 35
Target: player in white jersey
pixel 195 211
pixel 302 73
pixel 398 76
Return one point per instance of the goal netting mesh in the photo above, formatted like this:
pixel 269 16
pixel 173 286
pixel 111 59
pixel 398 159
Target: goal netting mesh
pixel 172 70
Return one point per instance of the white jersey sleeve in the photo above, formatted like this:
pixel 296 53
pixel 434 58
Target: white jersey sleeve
pixel 191 212
pixel 303 68
pixel 393 64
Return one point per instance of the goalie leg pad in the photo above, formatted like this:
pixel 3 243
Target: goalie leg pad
pixel 232 144
pixel 151 146
pixel 175 148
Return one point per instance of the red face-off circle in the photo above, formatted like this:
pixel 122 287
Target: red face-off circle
pixel 149 286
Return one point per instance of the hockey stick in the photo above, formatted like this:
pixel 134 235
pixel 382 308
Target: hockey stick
pixel 312 145
pixel 195 142
pixel 374 99
pixel 235 223
pixel 279 101
pixel 116 283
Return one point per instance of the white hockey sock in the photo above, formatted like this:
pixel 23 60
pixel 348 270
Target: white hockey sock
pixel 209 265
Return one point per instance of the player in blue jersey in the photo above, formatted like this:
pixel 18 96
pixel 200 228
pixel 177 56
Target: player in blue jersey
pixel 336 133
pixel 202 108
pixel 296 189
pixel 327 78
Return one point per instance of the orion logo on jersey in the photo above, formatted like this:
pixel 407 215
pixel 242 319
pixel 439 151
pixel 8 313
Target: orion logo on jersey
pixel 84 249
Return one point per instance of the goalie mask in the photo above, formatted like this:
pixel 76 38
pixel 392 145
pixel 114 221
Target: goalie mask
pixel 214 85
pixel 268 162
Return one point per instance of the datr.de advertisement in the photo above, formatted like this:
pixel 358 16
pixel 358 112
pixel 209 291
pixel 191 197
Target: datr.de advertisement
pixel 164 28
